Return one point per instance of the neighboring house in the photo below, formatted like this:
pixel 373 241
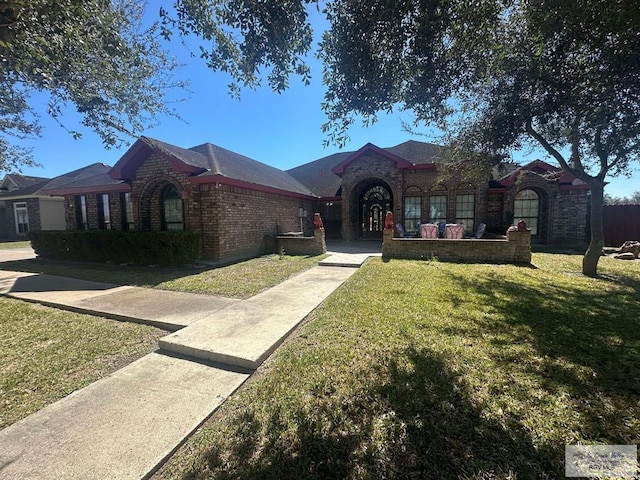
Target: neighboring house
pixel 24 207
pixel 25 204
pixel 236 203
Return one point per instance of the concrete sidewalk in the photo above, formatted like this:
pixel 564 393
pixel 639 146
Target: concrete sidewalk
pixel 126 425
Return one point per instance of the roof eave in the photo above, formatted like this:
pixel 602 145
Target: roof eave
pixel 219 179
pixel 118 187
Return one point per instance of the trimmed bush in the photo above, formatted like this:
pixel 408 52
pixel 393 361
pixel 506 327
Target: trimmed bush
pixel 113 246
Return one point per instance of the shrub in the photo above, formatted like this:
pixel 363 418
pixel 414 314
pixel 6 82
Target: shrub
pixel 113 246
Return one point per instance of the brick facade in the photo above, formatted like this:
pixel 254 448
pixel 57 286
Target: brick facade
pixel 33 209
pixel 562 210
pixel 233 221
pixel 239 217
pixel 515 249
pixel 371 169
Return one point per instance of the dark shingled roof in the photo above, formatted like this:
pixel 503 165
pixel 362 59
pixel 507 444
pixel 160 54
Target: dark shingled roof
pixel 189 156
pixel 22 181
pixel 318 175
pixel 215 160
pixel 80 176
pixel 416 152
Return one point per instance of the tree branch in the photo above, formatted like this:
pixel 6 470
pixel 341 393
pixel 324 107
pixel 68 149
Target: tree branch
pixel 549 148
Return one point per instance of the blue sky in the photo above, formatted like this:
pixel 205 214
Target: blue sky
pixel 282 130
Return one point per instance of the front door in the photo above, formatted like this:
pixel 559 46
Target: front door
pixel 375 202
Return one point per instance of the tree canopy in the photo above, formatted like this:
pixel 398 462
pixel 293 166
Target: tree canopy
pixel 633 199
pixel 497 75
pixel 95 55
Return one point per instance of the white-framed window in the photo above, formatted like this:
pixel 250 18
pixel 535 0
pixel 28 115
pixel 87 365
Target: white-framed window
pixel 465 210
pixel 437 208
pixel 21 215
pixel 526 206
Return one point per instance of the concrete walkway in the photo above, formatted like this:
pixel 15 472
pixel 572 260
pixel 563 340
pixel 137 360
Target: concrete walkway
pixel 126 425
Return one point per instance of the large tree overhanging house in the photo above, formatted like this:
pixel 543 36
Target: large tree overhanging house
pixel 236 203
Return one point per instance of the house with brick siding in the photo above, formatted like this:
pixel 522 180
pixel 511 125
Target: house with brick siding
pixel 237 204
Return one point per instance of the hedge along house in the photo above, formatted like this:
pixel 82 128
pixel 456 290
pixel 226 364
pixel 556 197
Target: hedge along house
pixel 357 188
pixel 26 206
pixel 236 203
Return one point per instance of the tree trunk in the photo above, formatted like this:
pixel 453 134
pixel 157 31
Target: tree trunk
pixel 594 251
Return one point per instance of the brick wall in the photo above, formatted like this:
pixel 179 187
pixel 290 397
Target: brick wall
pixel 33 209
pixel 233 221
pixel 151 177
pixel 315 245
pixel 4 225
pixel 372 168
pixel 515 249
pixel 570 217
pixel 239 219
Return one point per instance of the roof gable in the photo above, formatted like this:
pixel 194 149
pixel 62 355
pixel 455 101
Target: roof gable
pixel 208 163
pixel 543 169
pixel 368 149
pixel 182 160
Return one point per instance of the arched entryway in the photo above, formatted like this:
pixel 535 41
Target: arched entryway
pixel 375 201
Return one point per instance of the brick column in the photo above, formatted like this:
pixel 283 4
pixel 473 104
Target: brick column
pixel 521 242
pixel 320 244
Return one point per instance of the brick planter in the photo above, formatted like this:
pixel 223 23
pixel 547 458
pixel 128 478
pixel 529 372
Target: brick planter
pixel 515 249
pixel 311 246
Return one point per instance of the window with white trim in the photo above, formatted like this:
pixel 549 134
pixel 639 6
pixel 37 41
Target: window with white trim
pixel 21 215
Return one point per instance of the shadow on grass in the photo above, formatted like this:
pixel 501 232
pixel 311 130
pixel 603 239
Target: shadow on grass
pixel 588 340
pixel 100 272
pixel 416 422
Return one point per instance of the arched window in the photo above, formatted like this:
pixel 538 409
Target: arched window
pixel 172 209
pixel 527 207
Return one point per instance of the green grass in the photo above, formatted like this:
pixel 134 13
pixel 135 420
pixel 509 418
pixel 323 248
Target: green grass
pixel 9 244
pixel 240 280
pixel 46 354
pixel 433 370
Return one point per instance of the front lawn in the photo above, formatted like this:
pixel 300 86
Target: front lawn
pixel 431 370
pixel 4 245
pixel 240 280
pixel 46 354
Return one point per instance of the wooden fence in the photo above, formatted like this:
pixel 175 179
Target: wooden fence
pixel 621 223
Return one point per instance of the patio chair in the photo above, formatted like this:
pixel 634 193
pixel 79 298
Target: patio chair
pixel 402 232
pixel 479 232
